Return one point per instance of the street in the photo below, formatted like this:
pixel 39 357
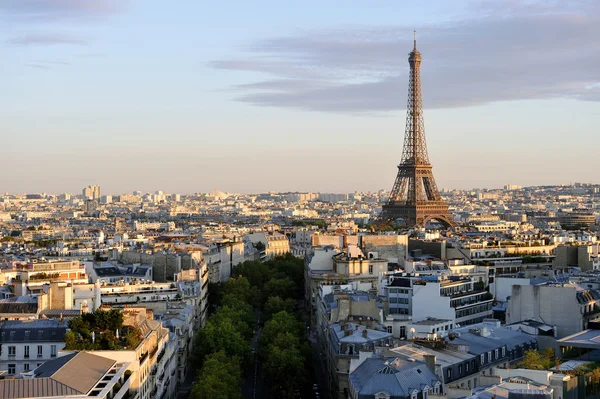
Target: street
pixel 255 386
pixel 319 372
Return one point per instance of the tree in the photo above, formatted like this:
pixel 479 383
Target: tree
pixel 595 378
pixel 275 305
pixel 219 378
pixel 239 313
pixel 533 360
pixel 281 287
pixel 220 335
pixel 240 288
pixel 285 368
pixel 257 273
pixel 280 323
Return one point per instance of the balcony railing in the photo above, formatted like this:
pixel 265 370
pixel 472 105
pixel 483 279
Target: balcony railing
pixel 161 354
pixel 143 357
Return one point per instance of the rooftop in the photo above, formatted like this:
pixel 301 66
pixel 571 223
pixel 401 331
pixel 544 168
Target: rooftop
pixel 585 338
pixel 395 376
pixel 72 374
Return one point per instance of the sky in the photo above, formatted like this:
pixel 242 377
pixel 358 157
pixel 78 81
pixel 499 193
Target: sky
pixel 191 96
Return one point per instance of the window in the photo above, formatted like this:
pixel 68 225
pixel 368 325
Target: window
pixel 448 373
pixel 12 351
pixel 389 329
pixel 53 350
pixel 25 366
pixel 40 351
pixel 370 269
pixel 460 369
pixel 402 331
pixel 482 358
pixel 12 369
pixel 496 354
pixel 26 351
pixel 489 356
pixel 467 367
pixel 425 392
pixel 503 352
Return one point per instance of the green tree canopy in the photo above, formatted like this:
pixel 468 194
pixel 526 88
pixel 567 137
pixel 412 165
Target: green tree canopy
pixel 240 288
pixel 285 368
pixel 219 378
pixel 275 305
pixel 222 335
pixel 256 272
pixel 281 287
pixel 280 323
pixel 533 360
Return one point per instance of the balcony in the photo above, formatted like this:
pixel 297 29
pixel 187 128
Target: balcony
pixel 153 351
pixel 161 354
pixel 470 298
pixel 143 357
pixel 123 392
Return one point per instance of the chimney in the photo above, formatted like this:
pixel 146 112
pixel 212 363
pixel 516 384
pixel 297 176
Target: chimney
pixel 430 362
pixel 365 333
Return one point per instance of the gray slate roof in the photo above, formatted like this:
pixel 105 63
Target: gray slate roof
pixel 18 305
pixel 397 377
pixel 497 338
pixel 14 331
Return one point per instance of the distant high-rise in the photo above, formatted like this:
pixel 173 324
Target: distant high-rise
pixel 91 192
pixel 415 198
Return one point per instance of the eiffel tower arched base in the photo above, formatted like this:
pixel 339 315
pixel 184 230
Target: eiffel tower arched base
pixel 416 215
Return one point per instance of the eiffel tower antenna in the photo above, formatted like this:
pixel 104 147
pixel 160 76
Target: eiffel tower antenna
pixel 415 39
pixel 415 198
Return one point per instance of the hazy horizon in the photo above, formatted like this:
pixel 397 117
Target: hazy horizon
pixel 152 191
pixel 270 96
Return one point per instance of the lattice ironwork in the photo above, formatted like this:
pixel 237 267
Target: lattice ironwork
pixel 415 197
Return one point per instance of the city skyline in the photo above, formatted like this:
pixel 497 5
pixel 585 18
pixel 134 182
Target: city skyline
pixel 105 93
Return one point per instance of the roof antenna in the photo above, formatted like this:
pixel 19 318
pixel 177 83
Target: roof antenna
pixel 415 38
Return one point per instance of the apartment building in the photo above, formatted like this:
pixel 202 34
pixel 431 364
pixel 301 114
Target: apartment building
pixel 456 298
pixel 344 343
pixel 327 266
pixel 25 345
pixel 569 307
pixel 74 375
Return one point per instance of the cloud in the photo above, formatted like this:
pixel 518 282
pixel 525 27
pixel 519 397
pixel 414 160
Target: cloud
pixel 38 66
pixel 46 40
pixel 542 50
pixel 49 10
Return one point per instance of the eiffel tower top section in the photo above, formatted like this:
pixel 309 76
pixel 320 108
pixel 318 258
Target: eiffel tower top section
pixel 415 146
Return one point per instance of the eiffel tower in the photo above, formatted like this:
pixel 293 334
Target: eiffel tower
pixel 415 198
